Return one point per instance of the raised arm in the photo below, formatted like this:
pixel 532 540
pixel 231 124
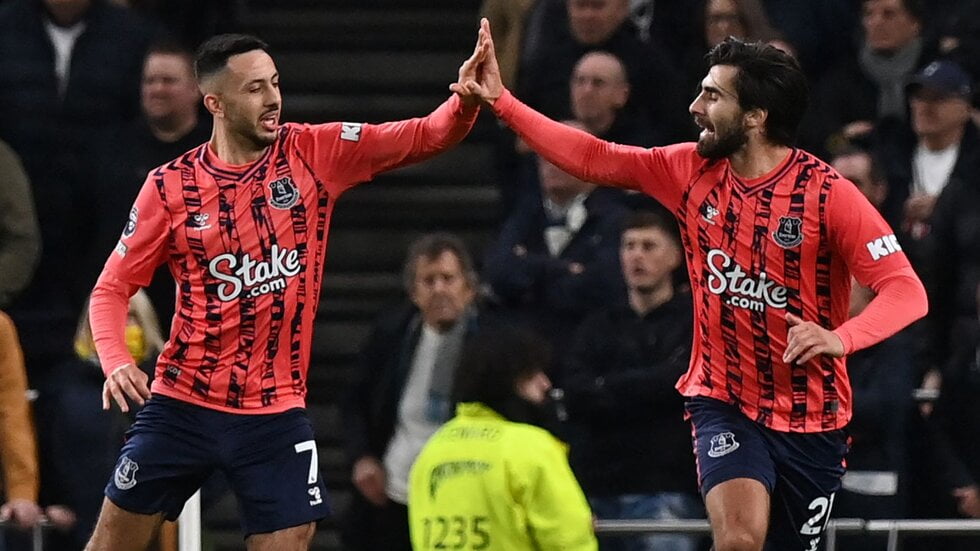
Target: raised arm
pixel 659 172
pixel 351 153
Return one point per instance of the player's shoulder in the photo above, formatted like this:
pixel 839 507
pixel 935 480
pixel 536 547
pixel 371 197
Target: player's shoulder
pixel 684 155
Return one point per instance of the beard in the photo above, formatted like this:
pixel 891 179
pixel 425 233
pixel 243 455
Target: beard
pixel 725 141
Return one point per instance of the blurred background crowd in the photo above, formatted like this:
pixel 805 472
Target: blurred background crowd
pixel 95 93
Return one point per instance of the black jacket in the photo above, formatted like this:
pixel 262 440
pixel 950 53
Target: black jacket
pixel 54 138
pixel 540 290
pixel 628 432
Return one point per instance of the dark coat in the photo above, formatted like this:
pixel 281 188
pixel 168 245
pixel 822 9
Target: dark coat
pixel 541 290
pixel 629 435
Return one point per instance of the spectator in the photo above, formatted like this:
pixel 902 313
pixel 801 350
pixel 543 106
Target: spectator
pixel 822 32
pixel 555 259
pixel 49 115
pixel 600 90
pixel 668 26
pixel 402 393
pixel 957 422
pixel 943 145
pixel 862 169
pixel 955 256
pixel 507 17
pixel 79 441
pixel 493 471
pixel 882 379
pixel 632 449
pixel 858 92
pixel 20 240
pixel 170 125
pixel 940 149
pixel 590 25
pixel 18 450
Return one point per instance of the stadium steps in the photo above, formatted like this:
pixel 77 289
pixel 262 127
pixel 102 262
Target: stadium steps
pixel 370 61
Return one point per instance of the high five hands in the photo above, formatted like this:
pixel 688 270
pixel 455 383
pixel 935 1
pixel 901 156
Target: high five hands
pixel 806 340
pixel 479 76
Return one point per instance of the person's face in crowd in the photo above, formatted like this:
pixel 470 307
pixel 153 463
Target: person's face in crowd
pixel 534 388
pixel 938 114
pixel 716 111
pixel 595 21
pixel 559 186
pixel 599 88
pixel 648 256
pixel 169 90
pixel 246 95
pixel 721 20
pixel 888 26
pixel 441 290
pixel 856 167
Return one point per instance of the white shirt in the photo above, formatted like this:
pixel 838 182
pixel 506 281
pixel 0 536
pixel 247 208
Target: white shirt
pixel 931 169
pixel 413 428
pixel 63 39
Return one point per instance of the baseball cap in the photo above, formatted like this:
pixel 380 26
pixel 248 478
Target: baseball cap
pixel 942 76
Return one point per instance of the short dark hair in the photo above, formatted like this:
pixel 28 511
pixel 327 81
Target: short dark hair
pixel 768 79
pixel 916 8
pixel 431 247
pixel 169 46
pixel 877 172
pixel 494 361
pixel 213 55
pixel 651 219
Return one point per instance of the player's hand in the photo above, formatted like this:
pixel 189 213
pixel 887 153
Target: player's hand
pixel 968 500
pixel 806 340
pixel 369 478
pixel 127 381
pixel 470 71
pixel 487 83
pixel 24 513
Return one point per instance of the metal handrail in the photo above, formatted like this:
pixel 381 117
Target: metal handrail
pixel 893 528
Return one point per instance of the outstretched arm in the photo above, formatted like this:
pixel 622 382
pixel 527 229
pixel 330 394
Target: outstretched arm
pixel 351 153
pixel 660 172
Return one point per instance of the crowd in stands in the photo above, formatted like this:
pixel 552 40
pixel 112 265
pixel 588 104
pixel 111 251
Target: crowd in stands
pixel 93 94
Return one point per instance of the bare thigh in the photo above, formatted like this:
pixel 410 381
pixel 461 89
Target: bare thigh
pixel 739 513
pixel 296 538
pixel 120 530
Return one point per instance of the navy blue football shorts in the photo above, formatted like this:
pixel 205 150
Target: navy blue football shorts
pixel 801 471
pixel 270 461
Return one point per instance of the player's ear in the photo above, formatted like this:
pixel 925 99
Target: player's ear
pixel 214 105
pixel 756 118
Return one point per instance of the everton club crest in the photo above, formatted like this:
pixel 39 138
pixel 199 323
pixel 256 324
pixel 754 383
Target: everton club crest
pixel 789 233
pixel 283 193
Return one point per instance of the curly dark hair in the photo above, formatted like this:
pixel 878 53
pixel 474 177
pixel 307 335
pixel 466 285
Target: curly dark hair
pixel 767 79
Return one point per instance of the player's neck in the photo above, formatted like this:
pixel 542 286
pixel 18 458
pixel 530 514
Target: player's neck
pixel 757 159
pixel 234 149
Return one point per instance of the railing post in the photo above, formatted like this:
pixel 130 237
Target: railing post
pixel 189 524
pixel 893 537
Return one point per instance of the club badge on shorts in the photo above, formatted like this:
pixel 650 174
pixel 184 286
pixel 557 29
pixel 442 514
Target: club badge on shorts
pixel 722 444
pixel 125 475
